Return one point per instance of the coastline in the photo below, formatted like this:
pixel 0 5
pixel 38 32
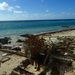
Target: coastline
pixel 56 31
pixel 64 32
pixel 53 33
pixel 16 28
pixel 67 32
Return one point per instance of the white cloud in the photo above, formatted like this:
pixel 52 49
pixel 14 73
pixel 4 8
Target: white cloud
pixel 17 6
pixel 42 16
pixel 48 15
pixel 18 12
pixel 23 15
pixel 15 17
pixel 37 15
pixel 5 6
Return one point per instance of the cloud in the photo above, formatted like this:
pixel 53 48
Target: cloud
pixel 17 6
pixel 66 13
pixel 35 16
pixel 18 12
pixel 14 17
pixel 5 6
pixel 42 16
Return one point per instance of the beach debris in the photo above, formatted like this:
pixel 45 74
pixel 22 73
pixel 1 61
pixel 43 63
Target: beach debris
pixel 5 54
pixel 20 40
pixel 5 59
pixel 4 40
pixel 16 49
pixel 25 63
pixel 26 35
pixel 73 52
pixel 5 73
pixel 53 57
pixel 7 46
pixel 58 55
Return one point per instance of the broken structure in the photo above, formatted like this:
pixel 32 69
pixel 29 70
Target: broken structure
pixel 53 57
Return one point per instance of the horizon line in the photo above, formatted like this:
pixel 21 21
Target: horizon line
pixel 37 20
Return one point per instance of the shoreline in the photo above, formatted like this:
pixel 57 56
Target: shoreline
pixel 53 32
pixel 42 32
pixel 62 32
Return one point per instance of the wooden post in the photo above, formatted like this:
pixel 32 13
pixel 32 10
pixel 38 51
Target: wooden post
pixel 38 66
pixel 34 65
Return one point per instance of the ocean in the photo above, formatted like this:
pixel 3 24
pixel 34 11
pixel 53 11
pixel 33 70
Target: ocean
pixel 9 28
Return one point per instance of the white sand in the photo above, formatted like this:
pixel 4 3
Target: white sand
pixel 65 33
pixel 9 65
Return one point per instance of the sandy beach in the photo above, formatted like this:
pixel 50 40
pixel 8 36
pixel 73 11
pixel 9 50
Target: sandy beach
pixel 15 60
pixel 9 65
pixel 64 33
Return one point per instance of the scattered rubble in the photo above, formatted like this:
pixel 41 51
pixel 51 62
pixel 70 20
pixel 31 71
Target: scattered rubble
pixel 48 58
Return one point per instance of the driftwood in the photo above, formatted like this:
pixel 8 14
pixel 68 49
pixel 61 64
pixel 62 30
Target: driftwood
pixel 21 71
pixel 25 63
pixel 5 59
pixel 52 52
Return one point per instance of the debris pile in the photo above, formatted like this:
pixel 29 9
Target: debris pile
pixel 61 55
pixel 54 57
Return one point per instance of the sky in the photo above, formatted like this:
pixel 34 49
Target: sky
pixel 36 9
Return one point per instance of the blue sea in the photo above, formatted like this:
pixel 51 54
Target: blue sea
pixel 8 28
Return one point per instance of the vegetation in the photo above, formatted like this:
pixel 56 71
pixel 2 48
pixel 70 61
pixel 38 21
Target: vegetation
pixel 58 55
pixel 36 49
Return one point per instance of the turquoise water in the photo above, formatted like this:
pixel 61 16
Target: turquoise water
pixel 8 28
